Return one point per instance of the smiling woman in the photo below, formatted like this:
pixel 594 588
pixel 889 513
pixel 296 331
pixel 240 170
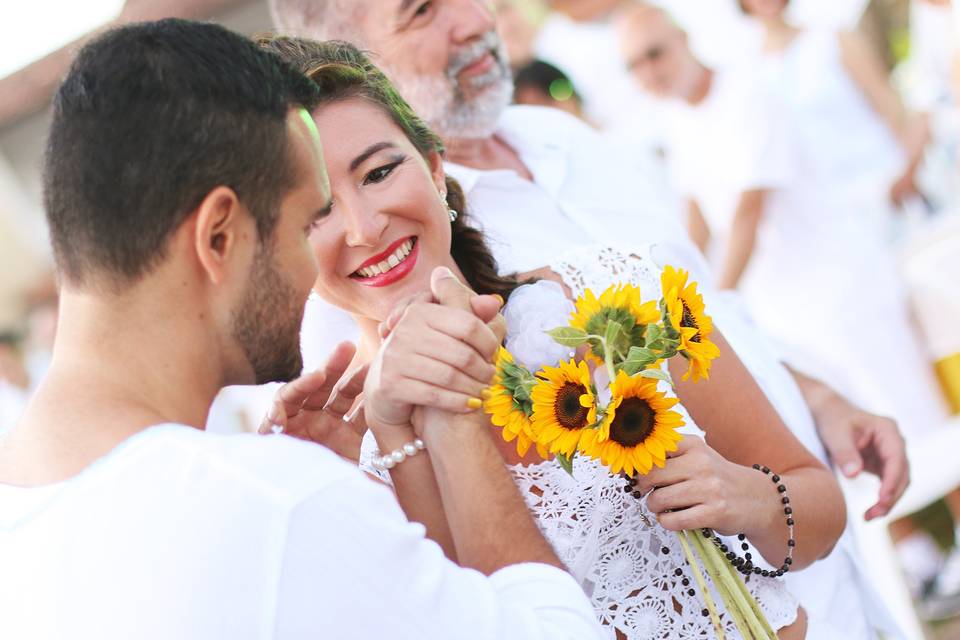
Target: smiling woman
pixel 385 166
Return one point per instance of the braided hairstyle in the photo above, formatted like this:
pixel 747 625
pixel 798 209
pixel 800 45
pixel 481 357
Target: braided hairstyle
pixel 342 71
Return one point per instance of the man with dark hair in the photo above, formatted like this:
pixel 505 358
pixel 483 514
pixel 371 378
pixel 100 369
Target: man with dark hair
pixel 183 177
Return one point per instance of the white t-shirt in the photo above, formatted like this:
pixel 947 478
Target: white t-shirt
pixel 183 534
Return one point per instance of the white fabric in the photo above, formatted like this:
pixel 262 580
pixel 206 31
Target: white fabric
pixel 821 281
pixel 850 147
pixel 183 534
pixel 932 47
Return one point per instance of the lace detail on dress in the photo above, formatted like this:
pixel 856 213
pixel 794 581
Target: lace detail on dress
pixel 610 542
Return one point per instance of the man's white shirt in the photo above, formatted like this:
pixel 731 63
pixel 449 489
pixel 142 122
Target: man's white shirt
pixel 178 533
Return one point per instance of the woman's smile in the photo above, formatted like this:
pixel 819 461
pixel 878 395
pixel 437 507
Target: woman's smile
pixel 390 266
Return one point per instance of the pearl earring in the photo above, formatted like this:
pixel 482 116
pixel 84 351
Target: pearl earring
pixel 450 210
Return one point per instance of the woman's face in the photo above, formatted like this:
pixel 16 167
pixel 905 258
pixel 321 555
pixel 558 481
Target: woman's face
pixel 389 226
pixel 764 8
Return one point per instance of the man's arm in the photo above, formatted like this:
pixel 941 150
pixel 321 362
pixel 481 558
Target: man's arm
pixel 352 566
pixel 858 441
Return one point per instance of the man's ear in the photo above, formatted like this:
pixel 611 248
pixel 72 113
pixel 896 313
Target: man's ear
pixel 221 223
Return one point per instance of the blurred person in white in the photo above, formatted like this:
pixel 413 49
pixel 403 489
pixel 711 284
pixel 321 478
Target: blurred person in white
pixel 866 145
pixel 610 100
pixel 926 78
pixel 797 257
pixel 539 182
pixel 863 145
pixel 119 516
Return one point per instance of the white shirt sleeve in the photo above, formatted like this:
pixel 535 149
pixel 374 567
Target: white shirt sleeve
pixel 354 567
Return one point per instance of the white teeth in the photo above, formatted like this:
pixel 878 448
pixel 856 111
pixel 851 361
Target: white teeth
pixel 395 258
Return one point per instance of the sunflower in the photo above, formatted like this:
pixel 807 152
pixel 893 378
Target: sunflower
pixel 639 429
pixel 687 315
pixel 506 412
pixel 619 303
pixel 563 406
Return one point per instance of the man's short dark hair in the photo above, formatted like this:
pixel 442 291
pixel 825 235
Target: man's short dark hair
pixel 150 118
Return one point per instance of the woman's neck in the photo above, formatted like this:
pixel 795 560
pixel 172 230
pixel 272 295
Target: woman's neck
pixel 778 34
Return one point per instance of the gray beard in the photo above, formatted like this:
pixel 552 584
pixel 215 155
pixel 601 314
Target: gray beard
pixel 442 103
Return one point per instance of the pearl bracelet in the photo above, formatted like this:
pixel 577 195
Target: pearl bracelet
pixel 395 457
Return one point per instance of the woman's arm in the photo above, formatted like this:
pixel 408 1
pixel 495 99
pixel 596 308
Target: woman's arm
pixel 697 227
pixel 743 238
pixel 723 491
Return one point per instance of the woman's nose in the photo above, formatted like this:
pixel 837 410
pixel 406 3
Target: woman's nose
pixel 364 228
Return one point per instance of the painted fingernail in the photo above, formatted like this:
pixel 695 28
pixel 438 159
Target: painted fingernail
pixel 474 403
pixel 443 272
pixel 850 469
pixel 499 299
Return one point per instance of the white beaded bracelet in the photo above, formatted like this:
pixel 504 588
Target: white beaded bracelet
pixel 395 457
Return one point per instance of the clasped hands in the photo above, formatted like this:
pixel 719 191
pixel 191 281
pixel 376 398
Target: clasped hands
pixel 434 361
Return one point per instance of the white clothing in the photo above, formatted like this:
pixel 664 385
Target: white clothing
pixel 179 533
pixel 932 50
pixel 819 283
pixel 581 194
pixel 850 149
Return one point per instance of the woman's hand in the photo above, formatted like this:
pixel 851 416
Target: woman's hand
pixel 312 406
pixel 437 354
pixel 700 488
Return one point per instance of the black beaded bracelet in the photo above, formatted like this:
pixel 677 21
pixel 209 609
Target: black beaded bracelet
pixel 745 564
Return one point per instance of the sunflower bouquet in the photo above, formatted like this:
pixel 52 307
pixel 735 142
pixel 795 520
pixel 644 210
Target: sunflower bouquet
pixel 606 403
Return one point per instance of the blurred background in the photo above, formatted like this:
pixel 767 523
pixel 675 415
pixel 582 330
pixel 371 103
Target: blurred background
pixel 565 55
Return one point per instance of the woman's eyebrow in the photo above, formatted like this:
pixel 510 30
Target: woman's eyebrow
pixel 369 151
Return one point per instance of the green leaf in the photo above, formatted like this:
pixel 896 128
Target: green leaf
pixel 614 329
pixel 638 359
pixel 653 333
pixel 568 336
pixel 566 463
pixel 657 374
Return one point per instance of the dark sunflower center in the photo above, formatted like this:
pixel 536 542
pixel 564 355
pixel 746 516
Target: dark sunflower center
pixel 567 409
pixel 633 422
pixel 689 321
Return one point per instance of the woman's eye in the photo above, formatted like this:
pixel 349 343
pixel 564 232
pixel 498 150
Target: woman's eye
pixel 422 9
pixel 380 173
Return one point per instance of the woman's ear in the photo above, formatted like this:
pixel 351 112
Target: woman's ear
pixel 435 161
pixel 220 226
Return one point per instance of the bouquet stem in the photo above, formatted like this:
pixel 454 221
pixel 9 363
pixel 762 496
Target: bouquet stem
pixel 707 598
pixel 739 602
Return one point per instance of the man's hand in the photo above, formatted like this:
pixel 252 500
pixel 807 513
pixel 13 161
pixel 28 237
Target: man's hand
pixel 435 354
pixel 859 441
pixel 312 406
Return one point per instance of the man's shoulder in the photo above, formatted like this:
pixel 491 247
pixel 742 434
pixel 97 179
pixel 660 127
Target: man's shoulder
pixel 281 466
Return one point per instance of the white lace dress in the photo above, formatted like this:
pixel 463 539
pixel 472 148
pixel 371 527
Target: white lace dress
pixel 609 541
